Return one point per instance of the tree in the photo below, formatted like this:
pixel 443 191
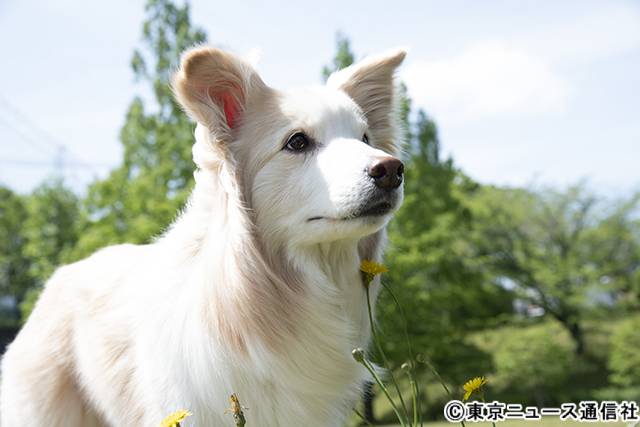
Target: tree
pixel 51 232
pixel 50 227
pixel 557 250
pixel 533 361
pixel 140 198
pixel 343 58
pixel 15 279
pixel 624 359
pixel 614 248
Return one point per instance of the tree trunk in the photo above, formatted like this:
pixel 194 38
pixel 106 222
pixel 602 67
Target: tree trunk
pixel 575 330
pixel 578 337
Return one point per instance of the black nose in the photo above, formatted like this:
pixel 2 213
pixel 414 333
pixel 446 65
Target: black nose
pixel 386 172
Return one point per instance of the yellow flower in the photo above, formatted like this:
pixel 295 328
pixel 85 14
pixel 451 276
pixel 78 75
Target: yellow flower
pixel 473 386
pixel 371 269
pixel 174 419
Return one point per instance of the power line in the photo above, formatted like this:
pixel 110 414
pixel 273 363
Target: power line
pixel 71 164
pixel 31 142
pixel 31 124
pixel 56 148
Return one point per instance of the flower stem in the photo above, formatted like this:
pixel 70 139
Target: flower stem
pixel 373 372
pixel 414 396
pixel 483 401
pixel 385 362
pixel 409 348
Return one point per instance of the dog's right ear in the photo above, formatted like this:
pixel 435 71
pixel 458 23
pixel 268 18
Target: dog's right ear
pixel 214 87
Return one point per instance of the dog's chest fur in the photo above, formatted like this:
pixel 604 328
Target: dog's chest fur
pixel 310 375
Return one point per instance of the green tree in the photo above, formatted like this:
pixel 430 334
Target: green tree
pixel 15 279
pixel 533 362
pixel 557 249
pixel 614 249
pixel 141 197
pixel 51 227
pixel 624 359
pixel 343 58
pixel 51 232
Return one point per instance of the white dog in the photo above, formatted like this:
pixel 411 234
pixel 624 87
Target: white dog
pixel 254 290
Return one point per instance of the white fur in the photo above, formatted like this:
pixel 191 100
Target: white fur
pixel 244 293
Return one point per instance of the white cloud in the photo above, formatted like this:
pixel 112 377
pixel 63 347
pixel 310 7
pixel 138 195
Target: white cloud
pixel 485 80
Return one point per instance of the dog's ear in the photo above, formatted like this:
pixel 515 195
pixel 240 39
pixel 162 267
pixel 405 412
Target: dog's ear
pixel 370 84
pixel 214 87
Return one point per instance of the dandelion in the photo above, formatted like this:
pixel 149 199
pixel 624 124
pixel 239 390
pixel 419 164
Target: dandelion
pixel 473 386
pixel 371 269
pixel 174 419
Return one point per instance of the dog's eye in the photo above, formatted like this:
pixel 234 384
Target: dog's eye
pixel 365 139
pixel 298 142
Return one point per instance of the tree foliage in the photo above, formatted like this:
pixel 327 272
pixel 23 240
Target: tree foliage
pixel 533 361
pixel 141 197
pixel 51 228
pixel 14 264
pixel 37 233
pixel 343 58
pixel 559 250
pixel 624 360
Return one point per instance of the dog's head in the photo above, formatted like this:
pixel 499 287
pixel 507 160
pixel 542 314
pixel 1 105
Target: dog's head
pixel 313 165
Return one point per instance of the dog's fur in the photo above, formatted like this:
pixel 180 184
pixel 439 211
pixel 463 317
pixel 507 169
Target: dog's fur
pixel 255 289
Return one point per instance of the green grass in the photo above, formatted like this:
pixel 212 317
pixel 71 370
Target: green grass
pixel 545 422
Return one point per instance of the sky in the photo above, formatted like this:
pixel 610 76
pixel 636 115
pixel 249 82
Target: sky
pixel 523 92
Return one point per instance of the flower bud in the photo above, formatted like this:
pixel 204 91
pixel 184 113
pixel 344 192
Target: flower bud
pixel 358 355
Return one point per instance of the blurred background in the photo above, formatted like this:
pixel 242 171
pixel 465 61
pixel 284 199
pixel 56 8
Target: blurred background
pixel 516 254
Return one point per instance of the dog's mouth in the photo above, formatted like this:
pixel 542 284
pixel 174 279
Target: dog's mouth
pixel 376 209
pixel 371 209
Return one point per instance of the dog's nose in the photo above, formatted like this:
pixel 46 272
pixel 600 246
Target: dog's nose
pixel 386 172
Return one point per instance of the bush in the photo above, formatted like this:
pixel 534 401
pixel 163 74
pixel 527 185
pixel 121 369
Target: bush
pixel 533 361
pixel 624 358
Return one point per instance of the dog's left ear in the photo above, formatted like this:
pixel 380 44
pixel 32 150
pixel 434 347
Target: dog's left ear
pixel 370 84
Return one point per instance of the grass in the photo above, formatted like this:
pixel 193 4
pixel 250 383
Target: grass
pixel 545 422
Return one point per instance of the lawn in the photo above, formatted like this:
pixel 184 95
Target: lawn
pixel 545 422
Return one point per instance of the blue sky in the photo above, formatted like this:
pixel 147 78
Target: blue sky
pixel 524 92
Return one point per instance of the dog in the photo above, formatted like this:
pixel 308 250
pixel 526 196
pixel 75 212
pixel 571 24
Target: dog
pixel 255 289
